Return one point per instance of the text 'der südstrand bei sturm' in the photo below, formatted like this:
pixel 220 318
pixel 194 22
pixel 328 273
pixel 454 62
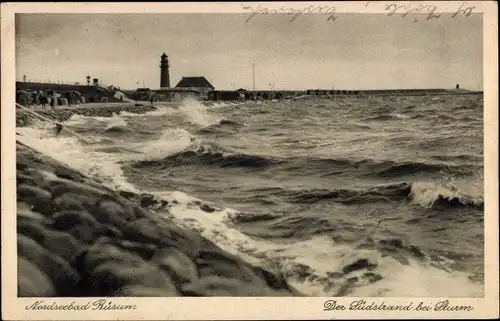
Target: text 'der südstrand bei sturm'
pixel 363 305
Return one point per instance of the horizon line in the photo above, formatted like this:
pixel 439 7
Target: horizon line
pixel 256 89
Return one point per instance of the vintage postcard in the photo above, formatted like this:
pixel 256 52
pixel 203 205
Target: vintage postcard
pixel 260 160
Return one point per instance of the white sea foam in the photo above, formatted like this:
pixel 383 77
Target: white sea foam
pixel 70 151
pixel 114 120
pixel 426 193
pixel 118 119
pixel 170 142
pixel 77 119
pixel 322 254
pixel 197 113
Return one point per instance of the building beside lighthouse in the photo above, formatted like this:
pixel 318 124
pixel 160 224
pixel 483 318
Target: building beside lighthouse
pixel 200 84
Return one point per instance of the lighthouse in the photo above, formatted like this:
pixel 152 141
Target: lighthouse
pixel 164 75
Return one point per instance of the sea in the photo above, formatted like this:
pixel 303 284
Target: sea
pixel 352 196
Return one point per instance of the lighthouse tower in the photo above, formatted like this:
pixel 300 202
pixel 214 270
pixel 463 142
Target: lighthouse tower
pixel 164 75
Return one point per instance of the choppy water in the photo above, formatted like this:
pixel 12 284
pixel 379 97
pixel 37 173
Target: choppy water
pixel 307 188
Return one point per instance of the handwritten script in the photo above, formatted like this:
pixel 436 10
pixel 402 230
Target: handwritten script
pixel 362 305
pixel 390 9
pixel 430 9
pixel 328 11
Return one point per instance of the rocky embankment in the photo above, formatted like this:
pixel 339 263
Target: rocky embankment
pixel 25 118
pixel 76 237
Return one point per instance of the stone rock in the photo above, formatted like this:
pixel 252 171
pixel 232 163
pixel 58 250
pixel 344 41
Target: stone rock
pixel 141 213
pixel 32 229
pixel 23 206
pixel 32 178
pixel 110 212
pixel 128 206
pixel 25 213
pixel 358 265
pixel 127 194
pixel 62 244
pixel 31 282
pixel 207 208
pixel 274 281
pixel 416 251
pixel 208 245
pixel 24 155
pixel 192 290
pixel 110 230
pixel 73 201
pixel 142 291
pixel 372 277
pixel 219 286
pixel 178 265
pixel 148 200
pixel 303 272
pixel 145 250
pixel 67 219
pixel 21 162
pixel 65 172
pixel 162 234
pixel 39 199
pixel 61 186
pixel 225 265
pixel 96 187
pixel 104 250
pixel 109 268
pixel 85 234
pixel 62 275
pixel 108 277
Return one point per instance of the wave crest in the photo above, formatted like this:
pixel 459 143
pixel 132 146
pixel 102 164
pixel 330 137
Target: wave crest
pixel 223 126
pixel 432 195
pixel 427 195
pixel 116 130
pixel 210 154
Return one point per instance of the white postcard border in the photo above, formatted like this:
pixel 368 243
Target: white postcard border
pixel 244 308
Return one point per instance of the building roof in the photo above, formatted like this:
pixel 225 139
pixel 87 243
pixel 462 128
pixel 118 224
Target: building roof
pixel 196 82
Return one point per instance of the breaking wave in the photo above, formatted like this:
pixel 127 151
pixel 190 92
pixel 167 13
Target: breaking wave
pixel 209 154
pixel 427 195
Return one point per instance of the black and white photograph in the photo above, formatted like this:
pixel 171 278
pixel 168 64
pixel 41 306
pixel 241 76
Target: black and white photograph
pixel 262 153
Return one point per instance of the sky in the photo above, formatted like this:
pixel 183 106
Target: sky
pixel 356 51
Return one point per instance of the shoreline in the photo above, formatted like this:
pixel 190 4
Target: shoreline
pixel 78 238
pixel 24 118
